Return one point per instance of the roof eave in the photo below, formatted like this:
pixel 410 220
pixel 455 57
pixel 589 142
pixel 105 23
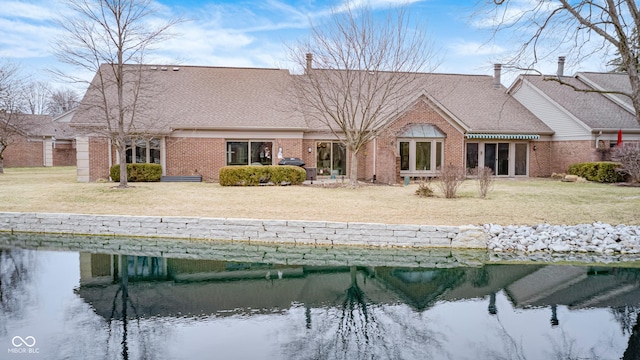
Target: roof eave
pixel 237 128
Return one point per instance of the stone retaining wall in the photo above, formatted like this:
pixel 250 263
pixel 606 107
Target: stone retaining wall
pixel 249 230
pixel 307 255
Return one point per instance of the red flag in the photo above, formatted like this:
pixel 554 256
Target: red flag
pixel 619 138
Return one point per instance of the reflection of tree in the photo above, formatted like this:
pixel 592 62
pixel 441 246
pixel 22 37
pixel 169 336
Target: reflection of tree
pixel 629 317
pixel 136 338
pixel 358 328
pixel 560 346
pixel 15 278
pixel 633 346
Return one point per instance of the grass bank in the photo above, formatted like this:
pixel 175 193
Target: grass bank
pixel 530 201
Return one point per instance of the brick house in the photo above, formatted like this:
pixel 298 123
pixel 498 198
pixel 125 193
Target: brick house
pixel 208 117
pixel 585 124
pixel 38 140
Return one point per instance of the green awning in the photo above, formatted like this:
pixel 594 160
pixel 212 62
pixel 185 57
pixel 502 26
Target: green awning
pixel 504 136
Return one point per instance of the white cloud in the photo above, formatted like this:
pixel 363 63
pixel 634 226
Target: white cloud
pixel 463 47
pixel 509 13
pixel 37 11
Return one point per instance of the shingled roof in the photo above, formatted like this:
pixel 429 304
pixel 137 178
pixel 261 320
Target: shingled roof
pixel 474 102
pixel 595 110
pixel 199 97
pixel 480 106
pixel 38 125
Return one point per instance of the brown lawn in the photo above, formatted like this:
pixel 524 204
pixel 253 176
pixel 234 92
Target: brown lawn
pixel 529 201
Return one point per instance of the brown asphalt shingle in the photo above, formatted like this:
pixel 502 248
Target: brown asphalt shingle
pixel 251 99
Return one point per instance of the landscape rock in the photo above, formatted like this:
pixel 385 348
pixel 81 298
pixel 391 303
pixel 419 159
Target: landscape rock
pixel 596 238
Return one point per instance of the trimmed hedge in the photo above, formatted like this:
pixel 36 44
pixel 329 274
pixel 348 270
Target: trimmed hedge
pixel 601 171
pixel 256 175
pixel 138 172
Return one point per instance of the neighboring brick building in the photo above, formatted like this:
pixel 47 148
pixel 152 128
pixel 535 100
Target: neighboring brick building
pixel 205 118
pixel 37 140
pixel 586 124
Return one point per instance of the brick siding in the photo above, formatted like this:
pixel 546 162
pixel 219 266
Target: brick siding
pixel 420 113
pixel 565 153
pixel 23 153
pixel 64 155
pixel 98 159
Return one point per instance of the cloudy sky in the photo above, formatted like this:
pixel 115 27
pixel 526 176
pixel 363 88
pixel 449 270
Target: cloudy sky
pixel 253 33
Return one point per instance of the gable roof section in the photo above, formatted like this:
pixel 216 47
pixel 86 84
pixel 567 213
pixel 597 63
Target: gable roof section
pixel 478 106
pixel 39 125
pixel 610 82
pixel 198 97
pixel 594 110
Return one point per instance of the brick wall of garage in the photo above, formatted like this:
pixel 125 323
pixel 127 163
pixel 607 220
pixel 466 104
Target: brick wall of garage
pixel 64 155
pixel 23 152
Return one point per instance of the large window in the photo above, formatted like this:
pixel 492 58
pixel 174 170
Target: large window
pixel 331 158
pixel 421 156
pixel 249 153
pixel 142 151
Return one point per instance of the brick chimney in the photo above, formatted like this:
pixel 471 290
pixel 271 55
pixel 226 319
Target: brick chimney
pixel 307 70
pixel 560 66
pixel 497 70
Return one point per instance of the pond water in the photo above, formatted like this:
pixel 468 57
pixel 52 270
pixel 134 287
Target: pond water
pixel 86 305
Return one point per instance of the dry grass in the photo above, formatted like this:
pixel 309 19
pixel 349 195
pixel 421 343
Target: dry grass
pixel 530 201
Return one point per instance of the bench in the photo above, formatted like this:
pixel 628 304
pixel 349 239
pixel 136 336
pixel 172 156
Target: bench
pixel 191 178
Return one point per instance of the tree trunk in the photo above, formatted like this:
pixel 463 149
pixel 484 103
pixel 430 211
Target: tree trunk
pixel 353 170
pixel 122 150
pixel 1 165
pixel 635 92
pixel 633 346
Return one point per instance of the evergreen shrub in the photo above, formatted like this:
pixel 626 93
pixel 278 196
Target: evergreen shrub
pixel 255 175
pixel 138 172
pixel 600 171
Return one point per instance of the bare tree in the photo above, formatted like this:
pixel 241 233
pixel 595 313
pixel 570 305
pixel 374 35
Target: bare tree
pixel 10 106
pixel 582 28
pixel 111 38
pixel 61 101
pixel 358 73
pixel 35 97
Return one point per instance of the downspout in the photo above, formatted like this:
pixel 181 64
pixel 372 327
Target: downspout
pixel 375 153
pixel 598 137
pixel 44 151
pixel 163 155
pixel 109 149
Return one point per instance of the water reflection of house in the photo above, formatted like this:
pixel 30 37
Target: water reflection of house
pixel 577 287
pixel 179 287
pixel 421 288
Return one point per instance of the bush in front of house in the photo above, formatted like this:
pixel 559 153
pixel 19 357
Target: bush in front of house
pixel 628 155
pixel 256 175
pixel 600 171
pixel 138 172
